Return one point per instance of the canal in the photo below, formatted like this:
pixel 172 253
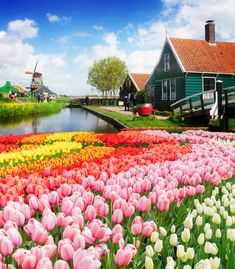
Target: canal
pixel 67 120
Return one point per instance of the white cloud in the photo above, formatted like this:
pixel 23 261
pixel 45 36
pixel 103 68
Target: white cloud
pixel 63 39
pixel 80 34
pixel 55 18
pixel 24 29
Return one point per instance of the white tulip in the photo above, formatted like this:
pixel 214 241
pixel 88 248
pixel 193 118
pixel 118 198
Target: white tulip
pixel 173 240
pixel 218 204
pixel 158 246
pixel 185 235
pixel 215 263
pixel 221 210
pixel 188 223
pixel 199 209
pixel 201 239
pixel 154 237
pixel 194 213
pixel 180 251
pixel 218 233
pixel 231 234
pixel 190 253
pixel 216 219
pixel 208 234
pixel 207 226
pixel 214 249
pixel 163 231
pixel 173 228
pixel 207 247
pixel 228 186
pixel 199 220
pixel 149 263
pixel 225 214
pixel 149 251
pixel 232 208
pixel 209 202
pixel 229 221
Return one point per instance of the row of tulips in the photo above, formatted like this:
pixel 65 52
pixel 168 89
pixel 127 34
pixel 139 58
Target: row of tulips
pixel 118 211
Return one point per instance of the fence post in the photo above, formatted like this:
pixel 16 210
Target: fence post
pixel 223 119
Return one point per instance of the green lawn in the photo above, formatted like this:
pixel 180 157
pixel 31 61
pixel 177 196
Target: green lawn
pixel 139 122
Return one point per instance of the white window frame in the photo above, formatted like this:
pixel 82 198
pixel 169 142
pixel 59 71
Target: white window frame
pixel 167 62
pixel 208 95
pixel 174 97
pixel 165 96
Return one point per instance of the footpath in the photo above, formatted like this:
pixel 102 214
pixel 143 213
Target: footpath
pixel 121 109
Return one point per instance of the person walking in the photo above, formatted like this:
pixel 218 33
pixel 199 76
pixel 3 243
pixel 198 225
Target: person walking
pixel 126 103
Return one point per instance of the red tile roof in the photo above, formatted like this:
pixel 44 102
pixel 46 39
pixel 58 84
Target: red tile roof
pixel 139 79
pixel 200 56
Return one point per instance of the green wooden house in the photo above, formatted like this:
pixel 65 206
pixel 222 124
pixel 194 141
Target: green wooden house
pixel 188 66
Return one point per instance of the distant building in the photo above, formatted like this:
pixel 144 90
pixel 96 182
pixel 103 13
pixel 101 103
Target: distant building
pixel 133 83
pixel 188 66
pixel 8 88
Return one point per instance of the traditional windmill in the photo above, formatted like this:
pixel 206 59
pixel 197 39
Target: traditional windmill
pixel 37 81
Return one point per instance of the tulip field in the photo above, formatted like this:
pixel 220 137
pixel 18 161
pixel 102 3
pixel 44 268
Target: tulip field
pixel 134 199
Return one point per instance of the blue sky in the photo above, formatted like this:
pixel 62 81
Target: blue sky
pixel 67 36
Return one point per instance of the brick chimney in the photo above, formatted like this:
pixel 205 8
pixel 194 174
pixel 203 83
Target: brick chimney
pixel 210 32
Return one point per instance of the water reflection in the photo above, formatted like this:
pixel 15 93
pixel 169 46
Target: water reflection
pixel 69 119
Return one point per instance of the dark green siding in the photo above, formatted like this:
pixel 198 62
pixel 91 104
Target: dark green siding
pixel 228 81
pixel 159 75
pixel 193 84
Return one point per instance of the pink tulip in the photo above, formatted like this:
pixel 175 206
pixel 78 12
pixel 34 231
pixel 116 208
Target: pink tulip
pixel 36 231
pixel 144 204
pixel 163 204
pixel 67 206
pixel 53 198
pixel 60 220
pixel 123 257
pixel 60 264
pixel 88 236
pixel 65 250
pixel 90 213
pixel 117 216
pixel 71 231
pixel 49 221
pixel 82 260
pixel 88 198
pixel 50 250
pixel 34 202
pixel 15 237
pixel 6 246
pixel 79 241
pixel 65 190
pixel 44 263
pixel 28 262
pixel 137 225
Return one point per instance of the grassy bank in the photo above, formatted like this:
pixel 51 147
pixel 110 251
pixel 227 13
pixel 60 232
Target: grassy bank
pixel 139 122
pixel 17 110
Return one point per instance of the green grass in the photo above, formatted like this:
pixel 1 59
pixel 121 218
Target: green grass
pixel 139 122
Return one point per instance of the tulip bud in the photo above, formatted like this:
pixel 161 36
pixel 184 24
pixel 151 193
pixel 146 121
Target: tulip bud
pixel 190 253
pixel 149 251
pixel 158 246
pixel 148 263
pixel 199 209
pixel 206 227
pixel 218 233
pixel 215 263
pixel 231 234
pixel 188 223
pixel 194 213
pixel 216 219
pixel 180 251
pixel 199 220
pixel 173 228
pixel 214 249
pixel 228 186
pixel 207 248
pixel 225 214
pixel 173 240
pixel 201 239
pixel 154 237
pixel 163 231
pixel 185 235
pixel 209 202
pixel 229 221
pixel 208 234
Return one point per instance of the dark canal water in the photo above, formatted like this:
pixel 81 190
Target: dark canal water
pixel 67 120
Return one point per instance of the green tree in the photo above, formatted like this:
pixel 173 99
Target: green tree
pixel 107 75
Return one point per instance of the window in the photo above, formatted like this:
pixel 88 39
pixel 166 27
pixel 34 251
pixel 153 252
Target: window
pixel 173 89
pixel 166 62
pixel 208 85
pixel 165 87
pixel 128 83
